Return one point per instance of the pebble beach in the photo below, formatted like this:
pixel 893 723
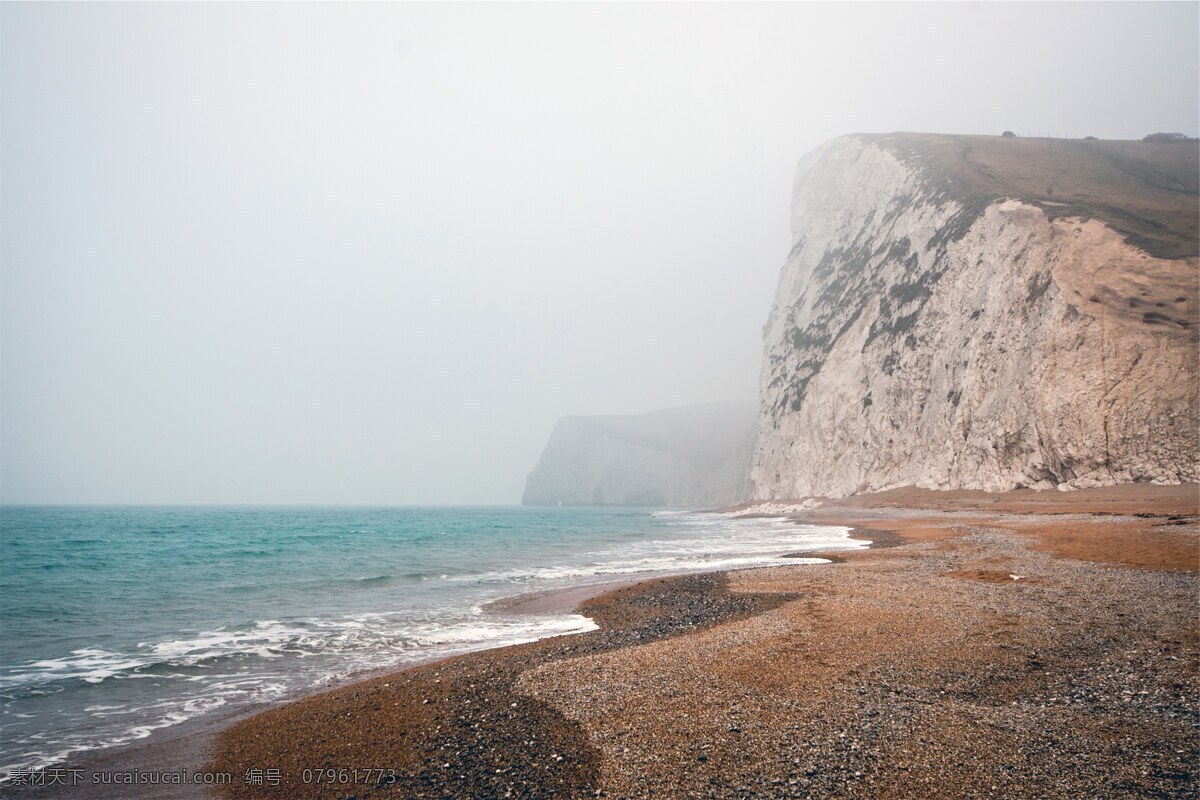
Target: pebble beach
pixel 1020 645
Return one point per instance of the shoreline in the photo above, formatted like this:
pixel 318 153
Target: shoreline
pixel 559 600
pixel 540 680
pixel 967 655
pixel 188 746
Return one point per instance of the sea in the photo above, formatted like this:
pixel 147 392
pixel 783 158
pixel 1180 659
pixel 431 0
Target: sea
pixel 116 622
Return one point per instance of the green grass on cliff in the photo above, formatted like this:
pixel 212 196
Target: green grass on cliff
pixel 1149 191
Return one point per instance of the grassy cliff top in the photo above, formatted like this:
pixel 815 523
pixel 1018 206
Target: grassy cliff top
pixel 1149 191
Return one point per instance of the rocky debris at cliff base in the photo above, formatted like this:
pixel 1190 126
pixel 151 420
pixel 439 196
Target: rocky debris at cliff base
pixel 775 509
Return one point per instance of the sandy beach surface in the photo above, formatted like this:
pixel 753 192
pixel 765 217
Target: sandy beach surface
pixel 1016 645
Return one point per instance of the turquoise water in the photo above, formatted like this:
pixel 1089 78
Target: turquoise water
pixel 118 621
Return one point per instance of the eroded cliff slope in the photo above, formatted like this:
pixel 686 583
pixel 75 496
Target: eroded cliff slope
pixel 979 312
pixel 689 456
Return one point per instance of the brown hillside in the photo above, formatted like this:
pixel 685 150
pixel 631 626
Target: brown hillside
pixel 1149 191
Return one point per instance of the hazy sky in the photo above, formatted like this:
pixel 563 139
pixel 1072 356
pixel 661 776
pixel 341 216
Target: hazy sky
pixel 370 253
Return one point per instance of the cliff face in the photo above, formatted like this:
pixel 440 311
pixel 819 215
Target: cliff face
pixel 689 456
pixel 977 312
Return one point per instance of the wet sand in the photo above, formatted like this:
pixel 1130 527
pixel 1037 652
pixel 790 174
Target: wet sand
pixel 554 601
pixel 1018 645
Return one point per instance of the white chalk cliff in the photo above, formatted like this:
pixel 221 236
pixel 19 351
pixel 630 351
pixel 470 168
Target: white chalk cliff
pixel 983 313
pixel 689 456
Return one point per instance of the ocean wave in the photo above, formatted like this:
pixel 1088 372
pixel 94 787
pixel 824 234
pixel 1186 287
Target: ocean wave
pixel 364 641
pixel 377 634
pixel 750 543
pixel 373 580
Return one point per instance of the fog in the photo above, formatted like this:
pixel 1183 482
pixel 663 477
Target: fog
pixel 329 253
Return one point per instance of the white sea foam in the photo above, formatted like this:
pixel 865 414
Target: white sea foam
pixel 775 508
pixel 90 664
pixel 746 543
